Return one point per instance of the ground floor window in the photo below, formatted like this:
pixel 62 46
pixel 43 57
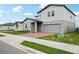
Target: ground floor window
pixel 25 25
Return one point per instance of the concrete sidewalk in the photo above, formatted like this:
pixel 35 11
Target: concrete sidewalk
pixel 63 46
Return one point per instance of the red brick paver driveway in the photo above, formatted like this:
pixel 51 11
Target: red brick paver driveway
pixel 37 35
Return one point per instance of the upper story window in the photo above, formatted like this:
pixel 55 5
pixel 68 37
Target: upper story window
pixel 52 13
pixel 48 13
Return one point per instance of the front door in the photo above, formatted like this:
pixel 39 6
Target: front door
pixel 38 27
pixel 32 27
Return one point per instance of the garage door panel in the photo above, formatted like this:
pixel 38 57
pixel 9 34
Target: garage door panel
pixel 51 28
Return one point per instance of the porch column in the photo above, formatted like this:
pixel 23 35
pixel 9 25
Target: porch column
pixel 35 27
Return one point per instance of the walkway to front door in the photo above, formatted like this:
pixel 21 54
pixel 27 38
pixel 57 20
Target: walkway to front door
pixel 37 35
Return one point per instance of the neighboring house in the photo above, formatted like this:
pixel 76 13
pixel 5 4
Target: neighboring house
pixel 18 26
pixel 7 26
pixel 53 18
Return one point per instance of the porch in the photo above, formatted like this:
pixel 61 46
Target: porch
pixel 36 27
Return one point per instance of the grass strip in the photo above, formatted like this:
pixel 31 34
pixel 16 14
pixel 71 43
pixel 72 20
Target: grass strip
pixel 44 48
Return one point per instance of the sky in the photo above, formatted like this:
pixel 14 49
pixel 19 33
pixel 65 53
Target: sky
pixel 19 12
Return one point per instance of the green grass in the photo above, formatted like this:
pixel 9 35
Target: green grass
pixel 15 32
pixel 71 37
pixel 43 48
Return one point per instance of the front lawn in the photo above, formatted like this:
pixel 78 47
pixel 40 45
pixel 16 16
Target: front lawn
pixel 43 48
pixel 15 32
pixel 71 37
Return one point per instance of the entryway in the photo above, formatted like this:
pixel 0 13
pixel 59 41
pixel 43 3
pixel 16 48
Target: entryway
pixel 36 27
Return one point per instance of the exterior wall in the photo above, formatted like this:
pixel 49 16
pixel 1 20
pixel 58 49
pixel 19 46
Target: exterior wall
pixel 58 10
pixel 28 23
pixel 14 27
pixel 6 27
pixel 3 27
pixel 20 27
pixel 10 28
pixel 68 26
pixel 68 16
pixel 69 21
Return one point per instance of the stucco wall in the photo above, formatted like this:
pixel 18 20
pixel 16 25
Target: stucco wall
pixel 28 22
pixel 58 10
pixel 3 27
pixel 68 26
pixel 69 16
pixel 14 27
pixel 20 27
pixel 6 27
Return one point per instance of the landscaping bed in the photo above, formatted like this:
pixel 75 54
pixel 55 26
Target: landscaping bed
pixel 71 38
pixel 44 48
pixel 15 32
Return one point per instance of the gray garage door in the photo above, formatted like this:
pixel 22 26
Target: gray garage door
pixel 51 28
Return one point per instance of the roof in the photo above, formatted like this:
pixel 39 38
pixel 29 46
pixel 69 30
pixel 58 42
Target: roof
pixel 17 22
pixel 36 20
pixel 56 5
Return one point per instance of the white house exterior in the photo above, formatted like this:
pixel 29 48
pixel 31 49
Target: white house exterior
pixel 6 27
pixel 18 26
pixel 2 27
pixel 54 18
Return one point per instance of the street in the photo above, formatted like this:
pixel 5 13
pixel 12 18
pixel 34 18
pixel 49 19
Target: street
pixel 8 49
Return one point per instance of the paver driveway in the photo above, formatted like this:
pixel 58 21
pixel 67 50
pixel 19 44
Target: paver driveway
pixel 39 34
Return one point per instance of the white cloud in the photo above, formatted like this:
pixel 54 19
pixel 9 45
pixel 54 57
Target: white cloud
pixel 1 11
pixel 28 14
pixel 43 5
pixel 1 14
pixel 77 13
pixel 17 9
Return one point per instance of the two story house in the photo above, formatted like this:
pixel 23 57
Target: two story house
pixel 53 18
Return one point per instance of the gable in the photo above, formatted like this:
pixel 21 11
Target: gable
pixel 56 6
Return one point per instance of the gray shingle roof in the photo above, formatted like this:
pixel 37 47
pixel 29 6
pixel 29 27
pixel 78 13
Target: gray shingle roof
pixel 36 20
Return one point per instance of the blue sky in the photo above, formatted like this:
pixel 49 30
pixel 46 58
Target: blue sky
pixel 18 12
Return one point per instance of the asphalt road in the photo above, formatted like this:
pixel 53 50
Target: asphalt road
pixel 8 49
